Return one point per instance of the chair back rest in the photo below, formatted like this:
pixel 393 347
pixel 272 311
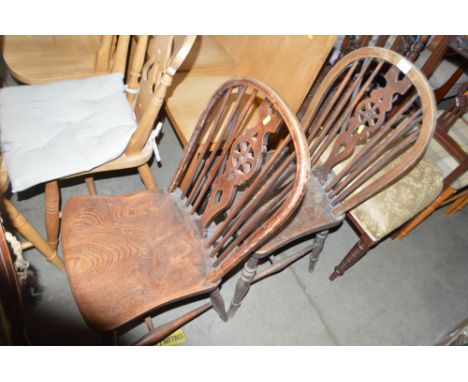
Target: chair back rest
pixel 245 168
pixel 112 54
pixel 157 59
pixel 372 110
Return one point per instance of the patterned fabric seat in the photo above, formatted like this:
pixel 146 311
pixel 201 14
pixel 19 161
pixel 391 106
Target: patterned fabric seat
pixel 398 203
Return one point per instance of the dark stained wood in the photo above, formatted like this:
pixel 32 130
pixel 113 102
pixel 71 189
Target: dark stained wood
pixel 128 255
pixel 11 300
pixel 372 107
pixel 118 251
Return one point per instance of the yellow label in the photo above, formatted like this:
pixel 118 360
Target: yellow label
pixel 361 128
pixel 176 338
pixel 266 120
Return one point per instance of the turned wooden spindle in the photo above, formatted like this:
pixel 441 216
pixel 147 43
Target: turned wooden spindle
pixel 52 213
pixel 243 285
pixel 20 223
pixel 218 304
pixel 358 251
pixel 319 242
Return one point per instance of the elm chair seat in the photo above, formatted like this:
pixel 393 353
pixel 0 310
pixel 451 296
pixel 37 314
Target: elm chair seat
pixel 54 130
pixel 126 255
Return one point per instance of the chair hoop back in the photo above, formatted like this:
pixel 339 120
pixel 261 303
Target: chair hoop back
pixel 243 172
pixel 372 117
pixel 163 56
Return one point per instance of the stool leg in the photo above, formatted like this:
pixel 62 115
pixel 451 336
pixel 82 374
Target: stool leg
pixel 243 285
pixel 147 177
pixel 357 252
pixel 319 241
pixel 418 219
pixel 52 213
pixel 25 228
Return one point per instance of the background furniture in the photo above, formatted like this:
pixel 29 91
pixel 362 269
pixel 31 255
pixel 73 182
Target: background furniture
pixel 12 329
pixel 369 122
pixel 39 59
pixel 379 216
pixel 449 151
pixel 128 255
pixel 289 64
pixel 157 65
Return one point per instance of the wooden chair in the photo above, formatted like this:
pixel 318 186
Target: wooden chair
pixel 157 62
pixel 40 59
pixel 12 328
pixel 129 255
pixel 423 189
pixel 449 152
pixel 370 121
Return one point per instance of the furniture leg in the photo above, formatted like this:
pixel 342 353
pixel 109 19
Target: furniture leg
pixel 319 241
pixel 158 334
pixel 147 177
pixel 243 285
pixel 457 205
pixel 20 223
pixel 218 304
pixel 418 219
pixel 52 213
pixel 358 251
pixel 91 185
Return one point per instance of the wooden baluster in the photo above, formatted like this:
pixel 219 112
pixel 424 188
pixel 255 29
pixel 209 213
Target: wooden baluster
pixel 319 241
pixel 243 285
pixel 146 176
pixel 218 304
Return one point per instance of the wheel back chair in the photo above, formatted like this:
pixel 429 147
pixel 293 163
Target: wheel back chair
pixel 128 255
pixel 369 122
pixel 41 59
pixel 87 126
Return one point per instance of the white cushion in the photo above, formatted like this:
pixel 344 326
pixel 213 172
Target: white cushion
pixel 53 130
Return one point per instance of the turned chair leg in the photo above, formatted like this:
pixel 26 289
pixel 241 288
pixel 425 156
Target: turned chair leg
pixel 418 219
pixel 319 241
pixel 52 213
pixel 147 177
pixel 358 251
pixel 218 304
pixel 91 185
pixel 457 205
pixel 243 285
pixel 20 223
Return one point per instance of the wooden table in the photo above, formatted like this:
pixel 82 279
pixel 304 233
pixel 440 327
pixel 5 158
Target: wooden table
pixel 289 64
